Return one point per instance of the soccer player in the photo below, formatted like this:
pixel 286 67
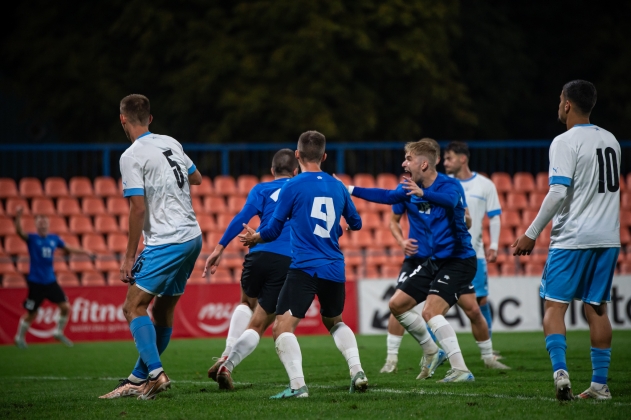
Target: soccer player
pixel 584 205
pixel 441 280
pixel 41 280
pixel 157 176
pixel 264 271
pixel 314 201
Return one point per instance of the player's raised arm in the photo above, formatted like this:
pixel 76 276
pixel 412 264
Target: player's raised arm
pixel 18 224
pixel 377 195
pixel 408 246
pixel 76 250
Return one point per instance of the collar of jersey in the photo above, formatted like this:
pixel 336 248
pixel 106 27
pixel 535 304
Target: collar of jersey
pixel 583 125
pixel 145 134
pixel 469 179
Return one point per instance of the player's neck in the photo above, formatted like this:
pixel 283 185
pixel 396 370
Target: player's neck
pixel 575 119
pixel 137 131
pixel 428 178
pixel 464 173
pixel 310 167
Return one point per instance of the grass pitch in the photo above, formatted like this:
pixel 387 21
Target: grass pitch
pixel 51 381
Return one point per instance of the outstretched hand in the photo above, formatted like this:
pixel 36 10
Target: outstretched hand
pixel 523 245
pixel 212 263
pixel 250 237
pixel 412 187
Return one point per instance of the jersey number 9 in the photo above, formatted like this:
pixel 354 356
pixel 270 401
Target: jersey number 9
pixel 328 217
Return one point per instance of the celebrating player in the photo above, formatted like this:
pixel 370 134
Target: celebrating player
pixel 440 280
pixel 156 177
pixel 584 204
pixel 314 201
pixel 264 271
pixel 41 278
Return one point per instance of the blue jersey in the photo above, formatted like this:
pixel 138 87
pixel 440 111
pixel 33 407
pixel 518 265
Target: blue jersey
pixel 314 201
pixel 41 251
pixel 419 230
pixel 261 201
pixel 441 210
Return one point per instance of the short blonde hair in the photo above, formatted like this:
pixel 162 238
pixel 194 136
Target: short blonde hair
pixel 424 147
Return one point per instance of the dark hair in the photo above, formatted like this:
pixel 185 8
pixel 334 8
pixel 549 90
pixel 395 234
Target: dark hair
pixel 459 148
pixel 582 94
pixel 284 162
pixel 311 146
pixel 136 108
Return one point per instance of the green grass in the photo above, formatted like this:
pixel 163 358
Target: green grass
pixel 51 381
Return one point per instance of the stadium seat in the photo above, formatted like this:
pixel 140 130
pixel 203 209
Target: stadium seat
pixel 196 277
pixel 206 222
pixel 57 225
pixel 67 279
pixel 13 281
pixel 113 278
pixel 7 227
pixel 362 239
pixel 80 263
pixel 117 242
pixel 387 181
pixel 215 205
pixel 94 242
pixel 350 273
pixel 123 223
pixel 225 185
pixel 346 179
pixel 625 237
pixel 1 209
pixel 8 188
pixel 117 206
pixel 105 186
pixel 28 224
pixel 542 182
pixel 353 257
pixel 377 255
pixel 625 268
pixel 390 271
pixel 536 199
pixel 378 208
pixel 198 207
pixel 364 181
pixel 14 245
pixel 232 257
pixel 502 181
pixel 60 264
pixel 623 183
pixel 68 207
pixel 235 203
pixel 345 240
pixel 245 183
pixel 510 218
pixel 105 224
pixel 516 201
pixel 31 188
pixel 383 237
pixel 625 200
pixel 204 189
pixel 212 238
pixel 507 236
pixel 523 182
pixel 533 269
pixel 360 205
pixel 80 186
pixel 371 272
pixel 55 187
pixel 222 275
pixel 92 278
pixel 43 207
pixel 396 255
pixel 14 203
pixel 527 218
pixel 81 225
pixel 370 220
pixel 508 269
pixel 70 239
pixel 267 178
pixel 625 217
pixel 223 220
pixel 6 265
pixel 93 206
pixel 492 270
pixel 23 264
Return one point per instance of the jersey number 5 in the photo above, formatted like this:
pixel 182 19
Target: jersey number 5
pixel 328 217
pixel 179 177
pixel 610 163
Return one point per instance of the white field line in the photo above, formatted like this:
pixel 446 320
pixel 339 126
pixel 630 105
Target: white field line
pixel 380 390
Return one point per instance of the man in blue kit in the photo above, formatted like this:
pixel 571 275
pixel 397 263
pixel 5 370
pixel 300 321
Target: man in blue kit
pixel 264 271
pixel 314 201
pixel 41 280
pixel 443 278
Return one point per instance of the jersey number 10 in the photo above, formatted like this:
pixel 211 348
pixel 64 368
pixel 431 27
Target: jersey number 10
pixel 609 163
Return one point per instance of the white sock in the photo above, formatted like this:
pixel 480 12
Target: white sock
pixel 393 342
pixel 61 324
pixel 22 328
pixel 446 336
pixel 347 344
pixel 243 347
pixel 155 372
pixel 486 348
pixel 415 325
pixel 135 379
pixel 238 323
pixel 289 353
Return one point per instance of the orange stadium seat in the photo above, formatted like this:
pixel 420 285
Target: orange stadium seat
pixel 507 237
pixel 8 188
pixel 245 183
pixel 508 269
pixel 1 209
pixel 625 236
pixel 370 220
pixel 502 181
pixel 625 268
pixel 80 186
pixel 396 255
pixel 364 181
pixel 15 245
pixel 623 183
pixel 377 255
pixel 378 208
pixel 206 222
pixel 105 186
pixel 346 179
pixel 235 203
pixel 117 242
pixel 215 205
pixel 123 223
pixel 55 187
pixel 383 237
pixel 542 182
pixel 625 217
pixel 362 239
pixel 267 178
pixel 113 278
pixel 198 207
pixel 57 225
pixel 516 201
pixel 70 239
pixel 360 205
pixel 387 181
pixel 81 225
pixel 536 199
pixel 31 187
pixel 6 265
pixel 117 206
pixel 390 271
pixel 80 263
pixel 523 182
pixel 533 269
pixel 94 242
pixel 92 278
pixel 28 224
pixel 67 279
pixel 345 240
pixel 527 217
pixel 222 275
pixel 353 257
pixel 68 207
pixel 204 189
pixel 7 227
pixel 230 258
pixel 43 206
pixel 93 206
pixel 212 239
pixel 371 272
pixel 510 218
pixel 625 200
pixel 14 203
pixel 225 185
pixel 492 270
pixel 13 281
pixel 223 220
pixel 60 264
pixel 350 273
pixel 105 224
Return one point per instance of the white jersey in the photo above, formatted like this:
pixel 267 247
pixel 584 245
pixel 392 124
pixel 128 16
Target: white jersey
pixel 586 159
pixel 156 167
pixel 481 196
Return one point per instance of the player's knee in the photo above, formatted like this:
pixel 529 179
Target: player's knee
pixel 474 313
pixel 64 309
pixel 396 306
pixel 482 300
pixel 128 311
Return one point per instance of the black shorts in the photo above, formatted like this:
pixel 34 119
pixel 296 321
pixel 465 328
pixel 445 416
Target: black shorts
pixel 299 290
pixel 448 278
pixel 408 267
pixel 263 276
pixel 37 292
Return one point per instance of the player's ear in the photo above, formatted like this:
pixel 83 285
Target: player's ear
pixel 272 171
pixel 150 119
pixel 323 158
pixel 123 119
pixel 297 154
pixel 295 171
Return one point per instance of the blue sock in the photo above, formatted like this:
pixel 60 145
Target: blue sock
pixel 432 334
pixel 145 338
pixel 601 358
pixel 486 313
pixel 163 336
pixel 556 346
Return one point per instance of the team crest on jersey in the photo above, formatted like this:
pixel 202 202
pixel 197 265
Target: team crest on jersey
pixel 424 207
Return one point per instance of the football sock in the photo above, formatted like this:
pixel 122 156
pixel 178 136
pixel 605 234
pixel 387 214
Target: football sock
pixel 61 324
pixel 415 325
pixel 144 334
pixel 556 346
pixel 243 347
pixel 486 313
pixel 347 344
pixel 289 353
pixel 601 358
pixel 238 323
pixel 22 328
pixel 163 336
pixel 431 333
pixel 447 338
pixel 393 342
pixel 486 348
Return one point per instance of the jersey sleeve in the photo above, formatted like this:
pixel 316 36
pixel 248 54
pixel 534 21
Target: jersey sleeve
pixel 256 199
pixel 562 163
pixel 133 177
pixel 190 166
pixel 493 207
pixel 282 212
pixel 398 208
pixel 350 212
pixel 60 242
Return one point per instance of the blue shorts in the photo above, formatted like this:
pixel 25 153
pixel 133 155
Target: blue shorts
pixel 163 270
pixel 481 280
pixel 581 274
